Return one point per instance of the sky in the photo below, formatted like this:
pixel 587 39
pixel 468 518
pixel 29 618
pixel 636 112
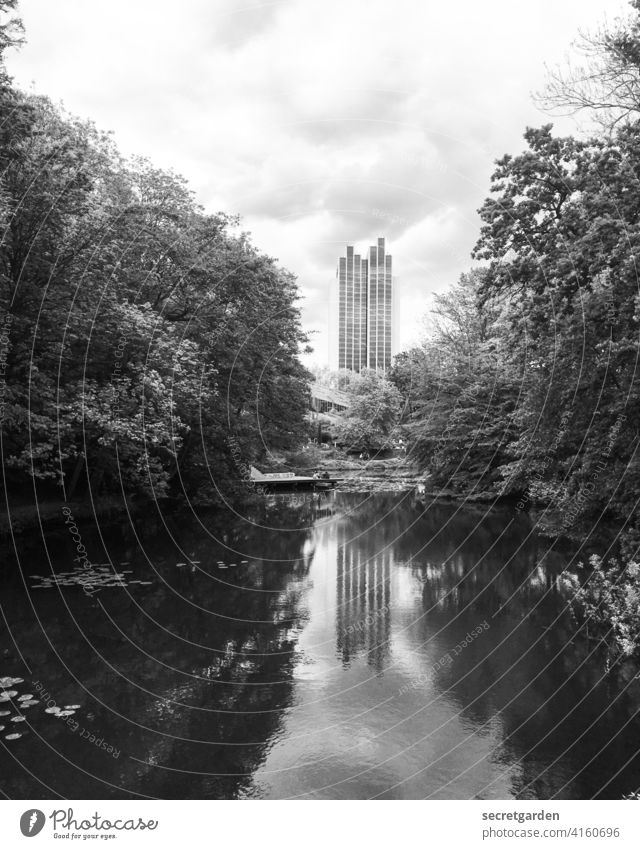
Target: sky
pixel 319 122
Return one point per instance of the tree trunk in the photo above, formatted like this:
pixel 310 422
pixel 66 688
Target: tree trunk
pixel 75 477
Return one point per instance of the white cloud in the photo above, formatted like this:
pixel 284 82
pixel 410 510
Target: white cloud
pixel 320 121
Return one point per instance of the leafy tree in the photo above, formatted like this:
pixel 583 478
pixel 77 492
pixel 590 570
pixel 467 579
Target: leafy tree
pixel 608 605
pixel 405 374
pixel 370 422
pixel 340 379
pixel 145 334
pixel 560 238
pixel 464 392
pixel 11 29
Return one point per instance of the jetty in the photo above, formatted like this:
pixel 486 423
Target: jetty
pixel 284 481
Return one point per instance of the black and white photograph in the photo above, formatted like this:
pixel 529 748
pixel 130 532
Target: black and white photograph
pixel 320 419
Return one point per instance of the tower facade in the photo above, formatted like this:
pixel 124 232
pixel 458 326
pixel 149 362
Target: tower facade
pixel 365 304
pixel 352 311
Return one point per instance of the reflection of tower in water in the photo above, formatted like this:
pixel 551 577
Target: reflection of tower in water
pixel 363 619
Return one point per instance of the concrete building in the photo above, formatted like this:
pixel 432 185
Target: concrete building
pixel 362 320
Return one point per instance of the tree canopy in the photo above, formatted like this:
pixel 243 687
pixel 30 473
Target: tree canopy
pixel 145 337
pixel 370 422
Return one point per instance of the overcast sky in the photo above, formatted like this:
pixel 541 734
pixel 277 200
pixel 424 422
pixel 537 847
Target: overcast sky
pixel 320 122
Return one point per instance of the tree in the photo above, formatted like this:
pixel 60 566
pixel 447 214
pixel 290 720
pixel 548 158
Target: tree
pixel 405 374
pixel 608 83
pixel 608 604
pixel 145 334
pixel 464 392
pixel 560 239
pixel 370 422
pixel 11 29
pixel 339 379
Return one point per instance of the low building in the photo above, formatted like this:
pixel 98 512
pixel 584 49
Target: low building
pixel 327 400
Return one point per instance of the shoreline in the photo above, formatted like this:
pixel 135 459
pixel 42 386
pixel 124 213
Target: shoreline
pixel 391 474
pixel 24 518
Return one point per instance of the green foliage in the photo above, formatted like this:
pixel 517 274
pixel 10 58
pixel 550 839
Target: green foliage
pixel 560 238
pixel 527 385
pixel 340 379
pixel 406 374
pixel 11 29
pixel 370 422
pixel 143 334
pixel 608 605
pixel 462 391
pixel 528 382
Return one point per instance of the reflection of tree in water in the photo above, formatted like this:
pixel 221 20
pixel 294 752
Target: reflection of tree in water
pixel 449 551
pixel 473 557
pixel 525 668
pixel 206 654
pixel 203 654
pixel 570 712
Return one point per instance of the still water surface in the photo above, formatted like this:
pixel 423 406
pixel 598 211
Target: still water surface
pixel 346 645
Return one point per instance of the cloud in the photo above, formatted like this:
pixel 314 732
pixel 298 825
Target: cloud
pixel 321 122
pixel 234 25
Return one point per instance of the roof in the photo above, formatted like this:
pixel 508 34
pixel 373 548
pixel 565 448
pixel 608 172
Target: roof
pixel 333 396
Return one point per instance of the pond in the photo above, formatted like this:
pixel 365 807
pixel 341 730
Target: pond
pixel 342 645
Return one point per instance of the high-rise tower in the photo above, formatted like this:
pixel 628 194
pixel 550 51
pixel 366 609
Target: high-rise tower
pixel 352 311
pixel 379 308
pixel 365 302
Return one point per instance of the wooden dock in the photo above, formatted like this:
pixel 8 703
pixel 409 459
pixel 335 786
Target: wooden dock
pixel 284 481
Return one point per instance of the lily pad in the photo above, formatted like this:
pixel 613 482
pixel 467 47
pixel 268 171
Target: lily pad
pixel 8 694
pixel 30 703
pixel 54 709
pixel 5 712
pixel 26 697
pixel 72 707
pixel 66 713
pixel 9 682
pixel 18 719
pixel 12 736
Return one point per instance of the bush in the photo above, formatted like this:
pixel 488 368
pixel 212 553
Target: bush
pixel 608 604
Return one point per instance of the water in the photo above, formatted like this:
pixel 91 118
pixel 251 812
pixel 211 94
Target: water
pixel 324 646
